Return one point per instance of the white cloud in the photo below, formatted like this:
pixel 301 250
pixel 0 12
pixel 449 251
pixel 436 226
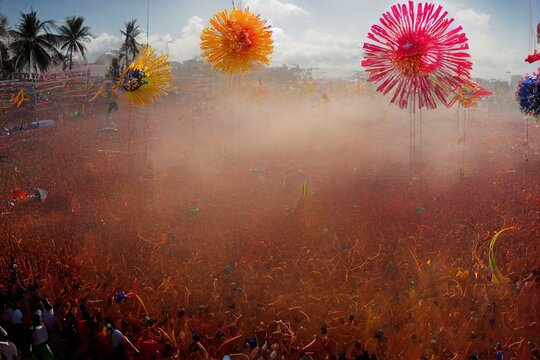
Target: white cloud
pixel 157 41
pixel 490 58
pixel 183 48
pixel 102 44
pixel 316 49
pixel 472 19
pixel 187 46
pixel 275 9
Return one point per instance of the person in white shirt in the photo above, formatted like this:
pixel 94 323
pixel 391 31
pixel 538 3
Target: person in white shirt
pixel 8 350
pixel 40 348
pixel 118 340
pixel 48 314
pixel 16 316
pixel 17 328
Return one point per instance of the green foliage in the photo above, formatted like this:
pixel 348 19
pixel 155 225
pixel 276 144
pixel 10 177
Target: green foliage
pixel 130 46
pixel 33 43
pixel 72 37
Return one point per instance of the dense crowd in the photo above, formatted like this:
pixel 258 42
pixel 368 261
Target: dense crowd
pixel 32 327
pixel 360 267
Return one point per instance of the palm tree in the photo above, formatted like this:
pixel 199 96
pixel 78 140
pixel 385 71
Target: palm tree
pixel 130 44
pixel 6 66
pixel 33 44
pixel 72 36
pixel 3 29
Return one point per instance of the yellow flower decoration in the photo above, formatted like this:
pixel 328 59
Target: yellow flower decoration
pixel 236 41
pixel 147 78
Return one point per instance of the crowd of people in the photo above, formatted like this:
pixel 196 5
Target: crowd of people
pixel 83 328
pixel 360 267
pixel 33 328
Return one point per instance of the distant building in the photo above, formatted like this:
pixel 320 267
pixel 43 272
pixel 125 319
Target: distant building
pixel 514 81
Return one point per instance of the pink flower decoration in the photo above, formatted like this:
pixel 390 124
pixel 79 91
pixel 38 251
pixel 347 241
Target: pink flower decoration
pixel 417 54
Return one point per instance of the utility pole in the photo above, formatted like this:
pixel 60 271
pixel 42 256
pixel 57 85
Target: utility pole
pixel 147 21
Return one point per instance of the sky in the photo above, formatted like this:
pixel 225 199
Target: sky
pixel 326 34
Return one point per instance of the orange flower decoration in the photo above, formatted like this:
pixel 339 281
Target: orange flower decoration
pixel 236 41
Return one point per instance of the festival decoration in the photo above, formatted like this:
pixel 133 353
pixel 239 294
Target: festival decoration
pixel 16 100
pixel 236 41
pixel 497 277
pixel 535 56
pixel 304 192
pixel 19 98
pixel 417 53
pixel 528 95
pixel 102 91
pixel 21 195
pixel 147 78
pixel 468 94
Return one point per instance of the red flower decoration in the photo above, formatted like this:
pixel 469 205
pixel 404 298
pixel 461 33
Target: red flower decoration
pixel 417 53
pixel 535 56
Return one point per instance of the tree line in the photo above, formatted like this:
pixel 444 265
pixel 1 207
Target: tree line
pixel 33 45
